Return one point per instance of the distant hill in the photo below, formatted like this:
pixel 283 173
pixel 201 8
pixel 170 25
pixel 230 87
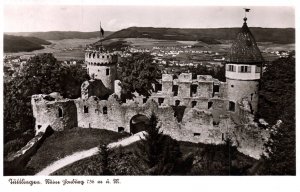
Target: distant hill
pixel 59 35
pixel 209 36
pixel 19 43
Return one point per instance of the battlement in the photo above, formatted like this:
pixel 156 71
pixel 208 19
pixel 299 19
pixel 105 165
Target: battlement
pixel 98 58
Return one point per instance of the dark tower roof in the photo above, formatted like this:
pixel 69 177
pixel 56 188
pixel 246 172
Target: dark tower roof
pixel 244 49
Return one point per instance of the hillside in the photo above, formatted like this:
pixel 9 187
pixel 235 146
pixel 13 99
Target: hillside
pixel 209 36
pixel 20 43
pixel 59 35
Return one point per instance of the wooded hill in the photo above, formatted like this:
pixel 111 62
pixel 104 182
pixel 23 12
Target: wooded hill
pixel 20 43
pixel 209 35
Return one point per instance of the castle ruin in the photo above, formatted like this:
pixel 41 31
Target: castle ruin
pixel 201 109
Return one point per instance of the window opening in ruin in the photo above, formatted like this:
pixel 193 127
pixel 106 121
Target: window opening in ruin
pixel 194 103
pixel 231 106
pixel 158 87
pixel 60 112
pixel 222 136
pixel 216 122
pixel 175 90
pixel 39 126
pixel 193 89
pixel 102 56
pixel 85 109
pixel 107 71
pixel 251 96
pixel 232 85
pixel 177 103
pixel 144 100
pixel 104 110
pixel 197 134
pixel 216 88
pixel 121 129
pixel 210 103
pixel 160 101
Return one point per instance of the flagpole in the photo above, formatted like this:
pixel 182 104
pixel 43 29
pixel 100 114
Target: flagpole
pixel 100 34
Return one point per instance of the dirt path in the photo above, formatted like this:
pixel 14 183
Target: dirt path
pixel 87 153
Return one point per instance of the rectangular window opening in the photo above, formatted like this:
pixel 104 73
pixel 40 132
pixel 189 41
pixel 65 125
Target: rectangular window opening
pixel 194 103
pixel 193 89
pixel 160 101
pixel 209 105
pixel 85 109
pixel 175 90
pixel 231 106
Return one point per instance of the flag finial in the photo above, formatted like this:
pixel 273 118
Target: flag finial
pixel 246 10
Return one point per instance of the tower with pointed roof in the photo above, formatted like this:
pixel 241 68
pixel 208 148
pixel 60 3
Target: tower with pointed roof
pixel 243 70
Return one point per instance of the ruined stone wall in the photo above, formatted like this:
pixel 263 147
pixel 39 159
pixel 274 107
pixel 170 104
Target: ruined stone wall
pixel 201 115
pixel 58 114
pixel 167 84
pixel 94 87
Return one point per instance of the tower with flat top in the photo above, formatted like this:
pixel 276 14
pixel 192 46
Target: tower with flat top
pixel 102 65
pixel 243 70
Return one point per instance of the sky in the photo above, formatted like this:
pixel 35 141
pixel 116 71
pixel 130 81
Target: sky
pixel 31 18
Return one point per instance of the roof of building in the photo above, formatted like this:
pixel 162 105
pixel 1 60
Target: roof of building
pixel 244 48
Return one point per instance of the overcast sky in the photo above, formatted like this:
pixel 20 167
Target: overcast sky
pixel 28 18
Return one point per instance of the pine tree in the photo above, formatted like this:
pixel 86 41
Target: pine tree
pixel 104 153
pixel 161 153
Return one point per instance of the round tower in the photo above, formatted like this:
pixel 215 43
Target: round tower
pixel 102 65
pixel 243 70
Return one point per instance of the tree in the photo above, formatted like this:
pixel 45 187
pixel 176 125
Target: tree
pixel 42 74
pixel 138 73
pixel 277 102
pixel 217 72
pixel 161 153
pixel 104 153
pixel 151 147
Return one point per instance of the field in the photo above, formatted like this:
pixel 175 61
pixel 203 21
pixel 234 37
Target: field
pixel 64 143
pixel 63 49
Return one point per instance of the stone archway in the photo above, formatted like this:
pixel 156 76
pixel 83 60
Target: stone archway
pixel 138 123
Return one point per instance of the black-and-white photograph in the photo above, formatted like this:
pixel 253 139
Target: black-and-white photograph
pixel 125 90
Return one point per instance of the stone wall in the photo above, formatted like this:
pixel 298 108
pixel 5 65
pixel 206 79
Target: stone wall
pixel 198 114
pixel 58 114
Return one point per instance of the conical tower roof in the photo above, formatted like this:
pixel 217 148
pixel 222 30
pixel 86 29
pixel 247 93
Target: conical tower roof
pixel 244 49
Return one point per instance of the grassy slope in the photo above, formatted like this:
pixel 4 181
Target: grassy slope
pixel 123 161
pixel 64 143
pixel 20 43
